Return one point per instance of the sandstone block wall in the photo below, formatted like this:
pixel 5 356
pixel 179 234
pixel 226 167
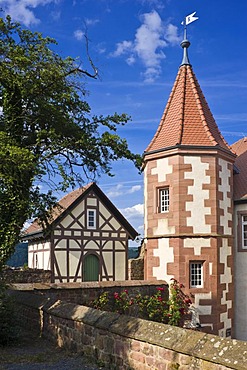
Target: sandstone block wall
pixel 123 342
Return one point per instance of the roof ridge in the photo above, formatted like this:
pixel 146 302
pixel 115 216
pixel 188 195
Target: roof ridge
pixel 165 111
pixel 181 125
pixel 199 105
pixel 201 111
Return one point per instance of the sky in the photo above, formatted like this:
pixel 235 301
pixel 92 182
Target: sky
pixel 135 45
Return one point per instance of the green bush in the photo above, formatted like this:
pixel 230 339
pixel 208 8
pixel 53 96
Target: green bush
pixel 155 308
pixel 9 330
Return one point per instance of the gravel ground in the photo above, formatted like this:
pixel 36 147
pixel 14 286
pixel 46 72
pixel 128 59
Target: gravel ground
pixel 34 353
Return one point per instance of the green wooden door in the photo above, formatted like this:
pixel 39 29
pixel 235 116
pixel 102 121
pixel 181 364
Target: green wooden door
pixel 91 268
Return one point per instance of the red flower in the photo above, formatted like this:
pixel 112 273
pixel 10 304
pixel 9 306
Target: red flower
pixel 126 291
pixel 160 289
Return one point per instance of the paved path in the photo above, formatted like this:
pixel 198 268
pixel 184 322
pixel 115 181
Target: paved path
pixel 33 353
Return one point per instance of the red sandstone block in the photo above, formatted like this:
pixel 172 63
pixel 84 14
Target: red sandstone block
pixel 151 361
pixel 135 346
pixel 166 354
pixel 137 356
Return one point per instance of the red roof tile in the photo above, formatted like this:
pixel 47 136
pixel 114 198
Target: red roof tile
pixel 63 204
pixel 240 179
pixel 187 119
pixel 69 200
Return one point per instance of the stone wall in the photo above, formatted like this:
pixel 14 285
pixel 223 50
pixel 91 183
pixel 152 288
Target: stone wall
pixel 84 293
pixel 19 275
pixel 123 342
pixel 136 269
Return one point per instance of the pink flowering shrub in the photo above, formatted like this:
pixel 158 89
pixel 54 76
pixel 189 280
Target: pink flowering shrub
pixel 156 308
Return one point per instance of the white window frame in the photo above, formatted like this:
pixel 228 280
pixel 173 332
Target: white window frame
pixel 244 231
pixel 91 218
pixel 196 274
pixel 164 200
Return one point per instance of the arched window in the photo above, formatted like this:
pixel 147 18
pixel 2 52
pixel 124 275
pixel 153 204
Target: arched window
pixel 91 268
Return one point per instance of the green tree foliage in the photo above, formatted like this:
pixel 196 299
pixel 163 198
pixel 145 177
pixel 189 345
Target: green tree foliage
pixel 47 130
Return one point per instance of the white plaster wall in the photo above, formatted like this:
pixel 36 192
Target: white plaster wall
pixel 163 227
pixel 225 175
pixel 91 245
pixel 47 260
pixel 74 258
pixel 166 255
pixel 145 202
pixel 120 266
pixel 119 246
pixel 43 257
pixel 114 224
pixel 197 206
pixel 61 257
pixel 203 310
pixel 162 170
pixel 240 283
pixel 79 209
pixel 91 201
pixel 108 259
pixel 104 211
pixel 196 244
pixel 60 244
pixel 67 221
pixel 225 278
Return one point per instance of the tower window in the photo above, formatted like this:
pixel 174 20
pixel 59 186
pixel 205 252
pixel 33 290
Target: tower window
pixel 164 200
pixel 91 219
pixel 196 274
pixel 244 231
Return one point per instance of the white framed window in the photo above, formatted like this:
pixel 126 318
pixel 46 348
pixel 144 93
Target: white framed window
pixel 91 219
pixel 196 274
pixel 164 200
pixel 244 231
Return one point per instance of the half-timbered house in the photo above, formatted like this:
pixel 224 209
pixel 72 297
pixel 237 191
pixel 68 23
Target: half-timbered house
pixel 87 239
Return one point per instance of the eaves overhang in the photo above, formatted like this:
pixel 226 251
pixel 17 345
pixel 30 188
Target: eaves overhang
pixel 189 149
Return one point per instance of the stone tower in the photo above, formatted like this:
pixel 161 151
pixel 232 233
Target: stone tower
pixel 188 182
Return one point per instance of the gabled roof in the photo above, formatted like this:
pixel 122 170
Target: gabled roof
pixel 187 119
pixel 69 201
pixel 240 179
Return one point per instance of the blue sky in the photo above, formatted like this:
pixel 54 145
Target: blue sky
pixel 135 45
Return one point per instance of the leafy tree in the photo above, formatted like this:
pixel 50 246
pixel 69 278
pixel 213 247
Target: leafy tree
pixel 47 131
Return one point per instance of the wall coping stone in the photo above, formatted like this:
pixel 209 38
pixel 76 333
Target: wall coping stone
pixel 228 352
pixel 91 284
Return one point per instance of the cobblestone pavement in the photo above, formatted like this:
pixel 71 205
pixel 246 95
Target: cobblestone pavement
pixel 34 353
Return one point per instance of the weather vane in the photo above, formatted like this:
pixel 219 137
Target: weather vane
pixel 185 43
pixel 187 20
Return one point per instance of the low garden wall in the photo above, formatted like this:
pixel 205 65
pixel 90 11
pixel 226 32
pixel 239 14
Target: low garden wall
pixel 19 275
pixel 124 342
pixel 84 293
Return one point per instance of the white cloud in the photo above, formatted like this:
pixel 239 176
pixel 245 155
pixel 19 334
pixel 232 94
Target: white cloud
pixel 134 211
pixel 91 22
pixel 172 34
pixel 122 48
pixel 134 188
pixel 21 10
pixel 120 190
pixel 150 40
pixel 78 34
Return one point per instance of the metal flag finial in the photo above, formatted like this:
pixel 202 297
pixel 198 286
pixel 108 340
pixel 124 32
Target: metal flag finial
pixel 185 43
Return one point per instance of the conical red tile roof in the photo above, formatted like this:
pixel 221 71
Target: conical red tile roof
pixel 187 119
